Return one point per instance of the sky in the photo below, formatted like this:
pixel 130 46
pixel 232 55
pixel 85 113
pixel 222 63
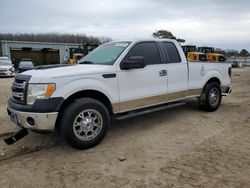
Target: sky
pixel 219 23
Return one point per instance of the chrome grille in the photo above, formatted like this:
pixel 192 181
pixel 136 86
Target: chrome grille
pixel 18 91
pixel 19 88
pixel 19 85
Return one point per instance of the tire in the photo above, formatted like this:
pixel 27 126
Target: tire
pixel 84 123
pixel 211 97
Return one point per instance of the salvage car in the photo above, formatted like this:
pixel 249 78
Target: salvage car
pixel 25 64
pixel 117 79
pixel 6 67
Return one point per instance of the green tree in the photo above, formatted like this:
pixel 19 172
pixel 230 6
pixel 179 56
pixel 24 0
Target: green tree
pixel 164 34
pixel 244 53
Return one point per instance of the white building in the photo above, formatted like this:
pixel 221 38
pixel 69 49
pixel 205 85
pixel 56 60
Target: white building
pixel 39 52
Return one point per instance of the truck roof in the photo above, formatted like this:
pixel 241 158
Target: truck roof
pixel 147 39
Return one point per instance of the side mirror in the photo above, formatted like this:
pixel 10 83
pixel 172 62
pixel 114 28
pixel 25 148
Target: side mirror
pixel 134 62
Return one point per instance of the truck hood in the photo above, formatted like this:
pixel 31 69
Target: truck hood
pixel 55 71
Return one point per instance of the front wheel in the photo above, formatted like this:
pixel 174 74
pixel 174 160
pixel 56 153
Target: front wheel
pixel 85 123
pixel 212 97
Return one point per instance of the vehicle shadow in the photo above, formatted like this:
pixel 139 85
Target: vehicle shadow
pixel 161 115
pixel 6 77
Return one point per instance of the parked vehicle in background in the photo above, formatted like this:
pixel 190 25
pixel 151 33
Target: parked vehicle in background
pixel 4 58
pixel 236 64
pixel 192 54
pixel 211 54
pixel 75 58
pixel 6 67
pixel 25 64
pixel 202 54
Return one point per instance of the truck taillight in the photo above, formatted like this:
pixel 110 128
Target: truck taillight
pixel 230 71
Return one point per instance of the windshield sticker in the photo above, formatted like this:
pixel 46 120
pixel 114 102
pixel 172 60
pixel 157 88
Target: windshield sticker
pixel 121 44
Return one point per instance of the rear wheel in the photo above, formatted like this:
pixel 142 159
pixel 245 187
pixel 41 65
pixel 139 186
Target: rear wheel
pixel 211 97
pixel 85 123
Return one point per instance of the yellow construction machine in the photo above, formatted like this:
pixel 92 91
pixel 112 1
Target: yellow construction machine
pixel 192 54
pixel 211 54
pixel 75 57
pixel 196 56
pixel 76 54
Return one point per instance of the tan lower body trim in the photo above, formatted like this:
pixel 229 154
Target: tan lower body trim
pixel 150 101
pixel 138 103
pixel 192 92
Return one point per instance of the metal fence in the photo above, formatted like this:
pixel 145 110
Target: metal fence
pixel 244 61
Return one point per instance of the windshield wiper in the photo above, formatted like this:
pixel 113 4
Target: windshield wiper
pixel 86 62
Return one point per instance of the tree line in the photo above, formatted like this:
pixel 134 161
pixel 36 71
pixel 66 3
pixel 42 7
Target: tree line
pixel 242 53
pixel 55 37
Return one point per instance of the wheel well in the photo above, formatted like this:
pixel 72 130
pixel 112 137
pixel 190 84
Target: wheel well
pixel 214 79
pixel 86 93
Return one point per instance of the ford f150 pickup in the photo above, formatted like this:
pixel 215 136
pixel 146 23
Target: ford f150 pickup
pixel 117 77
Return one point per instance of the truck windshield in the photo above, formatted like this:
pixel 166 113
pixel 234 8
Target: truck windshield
pixel 105 54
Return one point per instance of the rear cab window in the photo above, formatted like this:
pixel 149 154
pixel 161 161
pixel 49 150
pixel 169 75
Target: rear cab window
pixel 171 52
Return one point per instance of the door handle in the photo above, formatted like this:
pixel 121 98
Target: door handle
pixel 163 72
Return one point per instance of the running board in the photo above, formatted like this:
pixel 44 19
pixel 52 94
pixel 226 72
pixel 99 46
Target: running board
pixel 147 110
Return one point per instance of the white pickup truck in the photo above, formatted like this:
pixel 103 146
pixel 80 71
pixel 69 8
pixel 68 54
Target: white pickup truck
pixel 116 78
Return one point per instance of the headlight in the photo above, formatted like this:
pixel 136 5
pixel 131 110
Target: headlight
pixel 39 91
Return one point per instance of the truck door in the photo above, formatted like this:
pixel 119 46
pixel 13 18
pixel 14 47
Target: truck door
pixel 177 69
pixel 144 86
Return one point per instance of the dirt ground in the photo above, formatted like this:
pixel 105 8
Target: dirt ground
pixel 178 147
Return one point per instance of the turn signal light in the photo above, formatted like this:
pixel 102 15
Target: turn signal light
pixel 50 90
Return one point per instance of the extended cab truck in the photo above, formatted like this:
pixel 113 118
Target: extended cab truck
pixel 117 77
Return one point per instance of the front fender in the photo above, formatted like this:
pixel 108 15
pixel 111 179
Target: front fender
pixel 107 87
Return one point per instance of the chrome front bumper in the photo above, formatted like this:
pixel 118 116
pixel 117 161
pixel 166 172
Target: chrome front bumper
pixel 226 89
pixel 41 121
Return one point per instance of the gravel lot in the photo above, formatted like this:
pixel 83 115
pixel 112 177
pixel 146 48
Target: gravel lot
pixel 178 147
